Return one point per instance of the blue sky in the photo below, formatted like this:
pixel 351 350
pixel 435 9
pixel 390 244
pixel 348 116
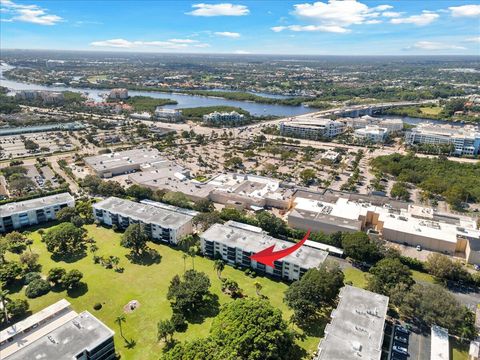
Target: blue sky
pixel 326 27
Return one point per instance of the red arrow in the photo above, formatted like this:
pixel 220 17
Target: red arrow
pixel 268 256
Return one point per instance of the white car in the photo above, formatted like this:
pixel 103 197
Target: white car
pixel 419 248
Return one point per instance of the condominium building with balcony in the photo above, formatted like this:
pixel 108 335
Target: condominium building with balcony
pixel 17 215
pixel 312 128
pixel 162 222
pixel 57 332
pixel 168 115
pixel 235 242
pixel 227 118
pixel 356 328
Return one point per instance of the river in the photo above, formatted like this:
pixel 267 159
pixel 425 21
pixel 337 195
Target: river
pixel 183 100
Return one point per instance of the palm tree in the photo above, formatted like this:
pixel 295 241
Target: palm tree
pixel 258 287
pixel 184 262
pixel 192 251
pixel 219 265
pixel 3 301
pixel 119 320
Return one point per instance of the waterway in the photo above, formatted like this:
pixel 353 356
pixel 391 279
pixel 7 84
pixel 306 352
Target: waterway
pixel 183 100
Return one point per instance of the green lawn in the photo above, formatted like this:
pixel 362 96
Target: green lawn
pixel 356 276
pixel 148 285
pixel 421 276
pixel 431 110
pixel 459 350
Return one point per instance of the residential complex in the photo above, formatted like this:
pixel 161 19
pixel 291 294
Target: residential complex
pixel 46 97
pixel 356 328
pixel 235 242
pixel 465 140
pixel 371 134
pixel 223 118
pixel 17 215
pixel 112 164
pixel 312 128
pixel 118 94
pixel 395 221
pixel 163 223
pixel 168 115
pixel 58 333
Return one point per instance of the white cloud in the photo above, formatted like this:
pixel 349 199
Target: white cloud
pixel 372 22
pixel 233 35
pixel 323 28
pixel 241 52
pixel 465 10
pixel 172 44
pixel 224 9
pixel 473 39
pixel 392 14
pixel 435 46
pixel 423 19
pixel 334 16
pixel 28 13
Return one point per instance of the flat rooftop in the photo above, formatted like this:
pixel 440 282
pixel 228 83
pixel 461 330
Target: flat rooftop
pixel 81 332
pixel 34 204
pixel 115 160
pixel 357 325
pixel 245 184
pixel 145 212
pixel 253 239
pixel 313 123
pixel 439 344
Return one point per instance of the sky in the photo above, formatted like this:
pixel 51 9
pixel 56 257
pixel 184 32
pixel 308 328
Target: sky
pixel 325 27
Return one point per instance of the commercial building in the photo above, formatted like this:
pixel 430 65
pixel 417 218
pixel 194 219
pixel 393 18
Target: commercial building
pixel 371 134
pixel 70 126
pixel 395 221
pixel 331 156
pixel 224 118
pixel 465 140
pixel 356 328
pixel 20 214
pixel 118 94
pixel 312 128
pixel 391 125
pixel 168 115
pixel 112 164
pixel 163 223
pixel 235 242
pixel 249 191
pixel 440 347
pixel 58 333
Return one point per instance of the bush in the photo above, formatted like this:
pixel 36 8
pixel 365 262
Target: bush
pixel 29 277
pixel 413 263
pixel 37 288
pixel 97 306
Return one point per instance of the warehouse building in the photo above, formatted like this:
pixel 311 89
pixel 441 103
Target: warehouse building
pixel 17 215
pixel 235 242
pixel 58 333
pixel 395 221
pixel 163 223
pixel 356 328
pixel 312 128
pixel 118 163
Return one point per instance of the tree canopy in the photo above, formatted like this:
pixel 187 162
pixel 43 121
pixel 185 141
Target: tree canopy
pixel 65 239
pixel 187 294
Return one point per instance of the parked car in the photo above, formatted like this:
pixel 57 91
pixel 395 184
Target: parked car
pixel 419 248
pixel 402 330
pixel 400 349
pixel 401 339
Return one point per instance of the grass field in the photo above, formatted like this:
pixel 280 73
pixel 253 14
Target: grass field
pixel 459 350
pixel 148 285
pixel 434 110
pixel 422 277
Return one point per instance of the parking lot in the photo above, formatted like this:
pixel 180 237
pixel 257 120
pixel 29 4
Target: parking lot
pixel 406 344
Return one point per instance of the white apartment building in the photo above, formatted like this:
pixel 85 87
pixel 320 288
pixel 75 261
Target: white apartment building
pixel 223 118
pixel 371 134
pixel 356 328
pixel 118 94
pixel 466 140
pixel 168 115
pixel 311 128
pixel 391 125
pixel 235 242
pixel 162 222
pixel 20 214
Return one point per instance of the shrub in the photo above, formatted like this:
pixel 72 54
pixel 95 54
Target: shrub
pixel 97 306
pixel 29 277
pixel 37 288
